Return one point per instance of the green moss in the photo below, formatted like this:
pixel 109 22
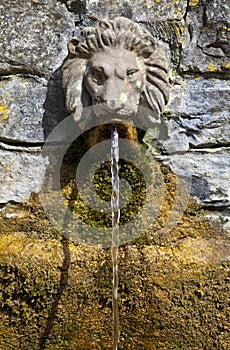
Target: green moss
pixel 173 288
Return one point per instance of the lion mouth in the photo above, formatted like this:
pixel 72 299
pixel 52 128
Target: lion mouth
pixel 109 115
pixel 116 119
pixel 120 119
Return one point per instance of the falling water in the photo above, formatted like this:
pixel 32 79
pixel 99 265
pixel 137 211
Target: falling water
pixel 115 232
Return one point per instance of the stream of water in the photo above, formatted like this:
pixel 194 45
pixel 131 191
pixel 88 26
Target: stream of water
pixel 115 233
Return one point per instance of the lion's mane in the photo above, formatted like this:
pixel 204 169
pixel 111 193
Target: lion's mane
pixel 124 33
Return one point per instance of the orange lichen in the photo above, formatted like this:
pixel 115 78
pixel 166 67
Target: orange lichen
pixel 4 111
pixel 226 28
pixel 212 67
pixel 194 2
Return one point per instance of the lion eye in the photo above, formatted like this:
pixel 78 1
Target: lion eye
pixel 97 75
pixel 131 73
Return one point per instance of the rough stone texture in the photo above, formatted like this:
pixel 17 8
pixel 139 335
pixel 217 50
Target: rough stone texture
pixel 209 171
pixel 197 115
pixel 136 10
pixel 192 97
pixel 24 99
pixel 220 220
pixel 34 35
pixel 206 39
pixel 30 107
pixel 78 7
pixel 20 174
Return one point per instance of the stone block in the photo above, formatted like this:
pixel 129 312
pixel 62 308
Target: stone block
pixel 23 101
pixel 34 35
pixel 208 170
pixel 21 173
pixel 197 115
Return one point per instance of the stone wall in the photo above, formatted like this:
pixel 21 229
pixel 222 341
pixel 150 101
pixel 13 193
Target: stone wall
pixel 34 36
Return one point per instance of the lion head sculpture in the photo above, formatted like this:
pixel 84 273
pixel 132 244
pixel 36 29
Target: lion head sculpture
pixel 116 67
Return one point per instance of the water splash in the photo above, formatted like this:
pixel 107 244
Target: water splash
pixel 115 233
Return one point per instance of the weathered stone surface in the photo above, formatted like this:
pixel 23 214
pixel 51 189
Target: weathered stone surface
pixel 34 35
pixel 30 107
pixel 54 104
pixel 207 130
pixel 199 96
pixel 198 131
pixel 220 220
pixel 197 115
pixel 137 10
pixel 209 172
pixel 76 6
pixel 20 174
pixel 176 140
pixel 24 100
pixel 207 38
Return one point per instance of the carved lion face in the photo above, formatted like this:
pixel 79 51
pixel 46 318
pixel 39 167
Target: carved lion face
pixel 115 80
pixel 115 67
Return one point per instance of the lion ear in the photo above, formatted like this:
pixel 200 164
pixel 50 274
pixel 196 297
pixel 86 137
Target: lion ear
pixel 72 46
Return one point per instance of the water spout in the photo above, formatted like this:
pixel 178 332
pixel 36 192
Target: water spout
pixel 115 232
